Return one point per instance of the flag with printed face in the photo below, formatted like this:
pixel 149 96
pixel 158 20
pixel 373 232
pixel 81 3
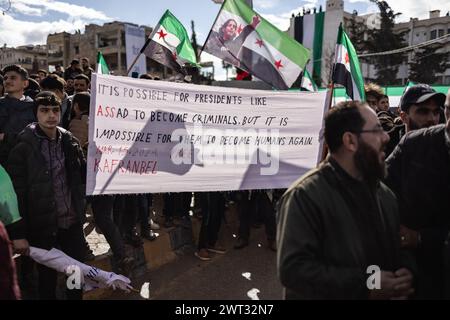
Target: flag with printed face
pixel 244 39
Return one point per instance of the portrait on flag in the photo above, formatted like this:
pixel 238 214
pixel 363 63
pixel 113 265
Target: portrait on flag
pixel 242 37
pixel 227 41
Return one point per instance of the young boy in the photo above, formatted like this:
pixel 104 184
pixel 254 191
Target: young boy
pixel 16 110
pixel 48 171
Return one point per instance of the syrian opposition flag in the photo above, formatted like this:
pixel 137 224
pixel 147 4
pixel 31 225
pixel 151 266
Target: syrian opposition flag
pixel 256 46
pixel 308 30
pixel 409 84
pixel 346 68
pixel 169 44
pixel 308 82
pixel 102 67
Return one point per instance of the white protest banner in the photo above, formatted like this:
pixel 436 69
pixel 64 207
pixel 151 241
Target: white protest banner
pixel 150 136
pixel 134 41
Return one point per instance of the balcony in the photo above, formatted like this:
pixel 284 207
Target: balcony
pixel 57 54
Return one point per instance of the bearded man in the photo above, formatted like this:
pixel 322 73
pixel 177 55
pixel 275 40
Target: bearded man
pixel 338 226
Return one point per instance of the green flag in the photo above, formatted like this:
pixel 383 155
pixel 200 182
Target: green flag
pixel 408 85
pixel 308 82
pixel 102 67
pixel 243 38
pixel 9 210
pixel 347 71
pixel 170 45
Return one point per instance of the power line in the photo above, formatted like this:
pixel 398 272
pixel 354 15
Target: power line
pixel 405 49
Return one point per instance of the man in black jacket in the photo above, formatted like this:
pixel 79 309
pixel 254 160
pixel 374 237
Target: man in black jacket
pixel 16 110
pixel 338 225
pixel 420 107
pixel 48 171
pixel 419 174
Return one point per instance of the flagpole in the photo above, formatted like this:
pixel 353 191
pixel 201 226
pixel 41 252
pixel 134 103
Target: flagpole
pixel 330 101
pixel 150 37
pixel 327 108
pixel 214 23
pixel 140 52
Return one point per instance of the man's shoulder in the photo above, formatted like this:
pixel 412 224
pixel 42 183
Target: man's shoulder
pixel 424 136
pixel 313 179
pixel 26 139
pixel 386 192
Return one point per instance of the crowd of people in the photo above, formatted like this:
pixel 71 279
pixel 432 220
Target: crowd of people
pixel 379 198
pixel 44 123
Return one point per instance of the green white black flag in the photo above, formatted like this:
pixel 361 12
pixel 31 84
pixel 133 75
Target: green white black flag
pixel 346 67
pixel 170 45
pixel 102 67
pixel 246 40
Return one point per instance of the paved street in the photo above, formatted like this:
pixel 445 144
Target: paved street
pixel 236 275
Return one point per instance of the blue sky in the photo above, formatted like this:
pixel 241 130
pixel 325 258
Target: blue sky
pixel 29 21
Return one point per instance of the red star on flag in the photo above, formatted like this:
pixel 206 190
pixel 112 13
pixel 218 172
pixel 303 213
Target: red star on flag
pixel 347 60
pixel 161 34
pixel 278 64
pixel 259 42
pixel 239 30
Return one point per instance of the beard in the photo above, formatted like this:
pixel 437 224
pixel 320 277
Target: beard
pixel 415 126
pixel 367 162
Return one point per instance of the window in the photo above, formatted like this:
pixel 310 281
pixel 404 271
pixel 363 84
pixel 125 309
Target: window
pixel 433 34
pixel 440 32
pixel 77 50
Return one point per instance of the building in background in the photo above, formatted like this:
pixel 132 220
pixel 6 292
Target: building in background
pixel 31 57
pixel 108 38
pixel 419 31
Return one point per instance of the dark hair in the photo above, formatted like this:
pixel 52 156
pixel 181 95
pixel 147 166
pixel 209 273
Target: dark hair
pixel 34 76
pixel 223 27
pixel 342 118
pixel 52 82
pixel 46 98
pixel 83 99
pixel 146 76
pixel 32 89
pixel 74 61
pixel 374 90
pixel 16 68
pixel 1 80
pixel 384 96
pixel 82 77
